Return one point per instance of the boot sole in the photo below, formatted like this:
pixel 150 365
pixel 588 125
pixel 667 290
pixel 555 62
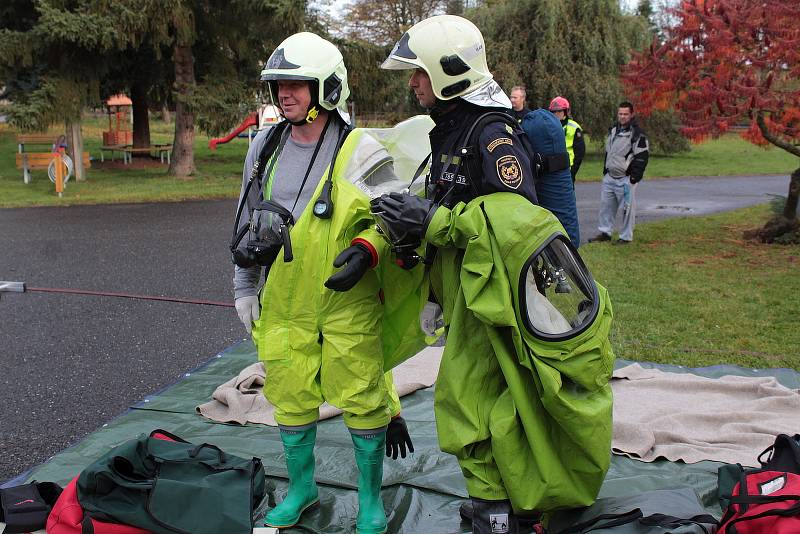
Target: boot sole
pixel 309 505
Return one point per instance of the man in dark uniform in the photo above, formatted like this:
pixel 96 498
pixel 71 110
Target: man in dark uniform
pixel 472 154
pixel 502 155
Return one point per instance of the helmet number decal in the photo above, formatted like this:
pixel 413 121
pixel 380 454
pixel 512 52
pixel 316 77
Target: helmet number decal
pixel 509 171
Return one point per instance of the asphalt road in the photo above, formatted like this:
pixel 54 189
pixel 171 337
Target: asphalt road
pixel 69 363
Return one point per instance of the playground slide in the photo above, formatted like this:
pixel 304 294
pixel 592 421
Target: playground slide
pixel 251 120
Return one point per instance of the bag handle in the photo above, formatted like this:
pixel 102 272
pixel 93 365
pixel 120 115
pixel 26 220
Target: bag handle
pixel 783 441
pixel 222 458
pixel 617 520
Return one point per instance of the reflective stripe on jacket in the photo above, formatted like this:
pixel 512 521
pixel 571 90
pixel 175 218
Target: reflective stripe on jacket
pixel 569 132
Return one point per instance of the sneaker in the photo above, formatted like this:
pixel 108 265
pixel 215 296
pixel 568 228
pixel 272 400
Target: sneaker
pixel 622 242
pixel 602 236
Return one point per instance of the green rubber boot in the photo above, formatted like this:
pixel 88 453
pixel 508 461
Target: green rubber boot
pixel 299 449
pixel 369 451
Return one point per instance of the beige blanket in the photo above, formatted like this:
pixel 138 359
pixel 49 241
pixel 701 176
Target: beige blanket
pixel 240 399
pixel 692 418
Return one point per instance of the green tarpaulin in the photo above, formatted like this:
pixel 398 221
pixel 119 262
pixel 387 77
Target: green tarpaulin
pixel 421 493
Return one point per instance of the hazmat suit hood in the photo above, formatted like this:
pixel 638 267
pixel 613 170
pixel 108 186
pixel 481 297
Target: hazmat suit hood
pixel 528 301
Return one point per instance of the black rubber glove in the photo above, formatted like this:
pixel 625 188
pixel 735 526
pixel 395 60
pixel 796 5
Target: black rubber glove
pixel 397 438
pixel 404 214
pixel 356 259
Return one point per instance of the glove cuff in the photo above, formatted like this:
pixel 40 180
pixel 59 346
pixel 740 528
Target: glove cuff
pixel 370 249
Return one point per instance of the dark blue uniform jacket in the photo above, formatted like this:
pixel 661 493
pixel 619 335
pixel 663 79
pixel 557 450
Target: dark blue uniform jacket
pixel 554 189
pixel 501 163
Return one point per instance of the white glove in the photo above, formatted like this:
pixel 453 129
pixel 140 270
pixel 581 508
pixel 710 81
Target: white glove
pixel 431 318
pixel 249 310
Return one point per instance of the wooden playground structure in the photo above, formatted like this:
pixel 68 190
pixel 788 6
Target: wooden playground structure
pixel 119 137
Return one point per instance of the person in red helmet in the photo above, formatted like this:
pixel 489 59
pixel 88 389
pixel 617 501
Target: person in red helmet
pixel 576 147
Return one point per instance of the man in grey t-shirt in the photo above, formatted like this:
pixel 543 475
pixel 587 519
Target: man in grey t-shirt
pixel 317 319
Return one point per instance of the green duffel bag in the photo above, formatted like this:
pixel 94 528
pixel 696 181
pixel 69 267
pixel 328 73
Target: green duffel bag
pixel 164 484
pixel 667 511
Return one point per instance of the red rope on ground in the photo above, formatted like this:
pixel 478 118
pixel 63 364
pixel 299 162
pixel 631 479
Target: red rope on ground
pixel 128 296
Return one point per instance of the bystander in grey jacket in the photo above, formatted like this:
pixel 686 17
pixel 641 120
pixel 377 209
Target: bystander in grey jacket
pixel 627 153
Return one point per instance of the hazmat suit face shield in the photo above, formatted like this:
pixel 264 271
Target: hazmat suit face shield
pixel 558 297
pixel 267 232
pixel 390 160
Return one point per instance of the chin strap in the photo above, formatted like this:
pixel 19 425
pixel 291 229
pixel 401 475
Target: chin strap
pixel 313 111
pixel 311 115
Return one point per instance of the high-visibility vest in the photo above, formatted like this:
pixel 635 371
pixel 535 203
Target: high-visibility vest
pixel 569 132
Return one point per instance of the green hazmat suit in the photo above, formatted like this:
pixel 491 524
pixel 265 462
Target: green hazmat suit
pixel 523 398
pixel 319 345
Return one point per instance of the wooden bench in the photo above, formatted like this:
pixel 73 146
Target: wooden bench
pixel 28 161
pixel 35 139
pixel 161 150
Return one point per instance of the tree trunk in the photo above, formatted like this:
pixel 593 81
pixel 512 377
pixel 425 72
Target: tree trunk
pixel 787 221
pixel 75 149
pixel 790 208
pixel 141 117
pixel 183 144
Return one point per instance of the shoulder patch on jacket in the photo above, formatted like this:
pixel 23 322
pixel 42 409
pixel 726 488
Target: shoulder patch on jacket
pixel 509 171
pixel 499 141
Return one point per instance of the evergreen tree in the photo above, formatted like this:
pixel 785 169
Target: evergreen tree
pixel 56 55
pixel 572 48
pixel 51 63
pixel 217 47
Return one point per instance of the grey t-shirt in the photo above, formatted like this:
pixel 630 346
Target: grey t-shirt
pixel 287 178
pixel 292 165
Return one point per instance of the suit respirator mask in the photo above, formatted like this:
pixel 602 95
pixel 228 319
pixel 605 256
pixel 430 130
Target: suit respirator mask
pixel 267 232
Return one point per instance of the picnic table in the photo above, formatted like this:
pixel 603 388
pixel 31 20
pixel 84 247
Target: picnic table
pixel 161 150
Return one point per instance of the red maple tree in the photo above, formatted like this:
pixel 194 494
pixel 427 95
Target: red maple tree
pixel 725 63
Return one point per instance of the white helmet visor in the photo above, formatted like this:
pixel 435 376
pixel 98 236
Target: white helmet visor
pixel 402 57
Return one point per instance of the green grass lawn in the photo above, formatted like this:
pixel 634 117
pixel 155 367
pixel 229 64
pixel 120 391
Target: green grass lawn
pixel 219 172
pixel 690 291
pixel 727 156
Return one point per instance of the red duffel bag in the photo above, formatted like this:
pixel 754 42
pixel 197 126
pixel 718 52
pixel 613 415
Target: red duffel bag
pixel 763 502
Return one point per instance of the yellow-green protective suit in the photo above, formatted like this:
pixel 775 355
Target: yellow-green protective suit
pixel 320 345
pixel 528 418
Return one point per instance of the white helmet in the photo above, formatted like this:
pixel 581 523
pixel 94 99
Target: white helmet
pixel 449 49
pixel 306 56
